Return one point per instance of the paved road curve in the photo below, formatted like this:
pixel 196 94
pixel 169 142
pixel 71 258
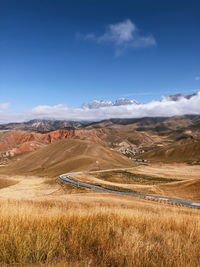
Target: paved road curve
pixel 66 178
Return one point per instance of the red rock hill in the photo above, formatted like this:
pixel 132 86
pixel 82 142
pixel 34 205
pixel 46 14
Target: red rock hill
pixel 18 142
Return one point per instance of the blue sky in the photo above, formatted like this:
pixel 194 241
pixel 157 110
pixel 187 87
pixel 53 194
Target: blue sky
pixel 70 52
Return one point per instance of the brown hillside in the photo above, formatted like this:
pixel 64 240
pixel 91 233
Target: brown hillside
pixel 18 142
pixel 65 156
pixel 169 139
pixel 185 189
pixel 180 152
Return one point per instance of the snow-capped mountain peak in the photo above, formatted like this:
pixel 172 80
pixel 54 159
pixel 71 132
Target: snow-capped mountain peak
pixel 95 104
pixel 124 101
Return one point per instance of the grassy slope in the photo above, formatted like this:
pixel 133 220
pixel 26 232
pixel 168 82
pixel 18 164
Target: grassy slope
pixel 65 156
pixel 186 189
pixel 105 232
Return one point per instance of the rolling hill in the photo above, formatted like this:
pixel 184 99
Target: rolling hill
pixel 170 139
pixel 185 151
pixel 65 156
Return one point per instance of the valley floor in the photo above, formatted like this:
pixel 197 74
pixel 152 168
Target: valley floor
pixel 45 222
pixel 170 180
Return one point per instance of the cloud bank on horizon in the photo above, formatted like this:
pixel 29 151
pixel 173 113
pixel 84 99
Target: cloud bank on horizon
pixel 165 107
pixel 122 35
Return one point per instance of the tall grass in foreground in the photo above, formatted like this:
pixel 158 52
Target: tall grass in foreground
pixel 58 234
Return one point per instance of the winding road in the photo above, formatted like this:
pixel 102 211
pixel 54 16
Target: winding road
pixel 66 178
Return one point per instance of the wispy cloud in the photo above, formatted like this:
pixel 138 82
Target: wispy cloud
pixel 166 107
pixel 197 78
pixel 4 105
pixel 122 35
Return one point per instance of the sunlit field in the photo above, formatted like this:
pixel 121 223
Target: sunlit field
pixel 100 231
pixel 99 133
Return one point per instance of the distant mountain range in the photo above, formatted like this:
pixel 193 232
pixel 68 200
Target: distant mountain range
pixel 43 125
pixel 155 138
pixel 47 125
pixel 177 97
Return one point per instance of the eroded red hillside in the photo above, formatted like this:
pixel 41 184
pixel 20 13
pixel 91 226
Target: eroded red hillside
pixel 18 142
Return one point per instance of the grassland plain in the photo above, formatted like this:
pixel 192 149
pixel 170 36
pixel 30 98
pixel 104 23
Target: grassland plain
pixel 98 230
pixel 44 222
pixel 167 180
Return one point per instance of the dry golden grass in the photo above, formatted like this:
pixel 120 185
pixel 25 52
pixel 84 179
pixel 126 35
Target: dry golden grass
pixel 122 232
pixel 42 224
pixel 128 177
pixel 178 171
pixel 4 182
pixel 169 180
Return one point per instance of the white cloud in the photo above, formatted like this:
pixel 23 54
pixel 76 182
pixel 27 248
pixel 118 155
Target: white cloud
pixel 166 107
pixel 119 33
pixel 152 109
pixel 7 117
pixel 123 35
pixel 4 105
pixel 197 78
